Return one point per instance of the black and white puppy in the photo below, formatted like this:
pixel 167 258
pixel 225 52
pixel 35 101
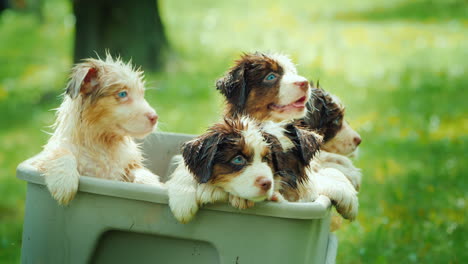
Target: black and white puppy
pixel 265 87
pixel 243 162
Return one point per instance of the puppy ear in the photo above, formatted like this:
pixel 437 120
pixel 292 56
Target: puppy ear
pixel 275 149
pixel 233 86
pixel 307 142
pixel 83 80
pixel 199 155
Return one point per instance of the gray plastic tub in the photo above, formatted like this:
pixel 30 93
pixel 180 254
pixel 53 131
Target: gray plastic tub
pixel 117 222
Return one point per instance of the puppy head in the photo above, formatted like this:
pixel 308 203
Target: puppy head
pixel 111 94
pixel 293 149
pixel 232 155
pixel 265 87
pixel 326 115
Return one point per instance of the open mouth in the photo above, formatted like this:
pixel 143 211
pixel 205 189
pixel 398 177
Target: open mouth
pixel 298 104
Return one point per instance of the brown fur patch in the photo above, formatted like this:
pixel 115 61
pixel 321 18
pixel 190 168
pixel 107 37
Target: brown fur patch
pixel 245 88
pixel 129 177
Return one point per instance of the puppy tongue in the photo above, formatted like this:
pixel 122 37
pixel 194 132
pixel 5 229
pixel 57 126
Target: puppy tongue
pixel 300 102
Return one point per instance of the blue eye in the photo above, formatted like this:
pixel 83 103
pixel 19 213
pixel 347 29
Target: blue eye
pixel 238 160
pixel 270 77
pixel 337 121
pixel 122 94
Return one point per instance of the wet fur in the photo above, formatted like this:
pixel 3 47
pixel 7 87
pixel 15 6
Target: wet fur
pixel 83 141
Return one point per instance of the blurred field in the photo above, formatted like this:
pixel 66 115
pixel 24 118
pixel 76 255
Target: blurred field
pixel 401 67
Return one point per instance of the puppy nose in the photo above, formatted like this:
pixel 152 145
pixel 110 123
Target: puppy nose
pixel 304 85
pixel 357 141
pixel 263 183
pixel 152 117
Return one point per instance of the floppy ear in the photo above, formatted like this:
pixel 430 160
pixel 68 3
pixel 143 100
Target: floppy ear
pixel 314 118
pixel 83 80
pixel 275 149
pixel 233 86
pixel 199 155
pixel 307 142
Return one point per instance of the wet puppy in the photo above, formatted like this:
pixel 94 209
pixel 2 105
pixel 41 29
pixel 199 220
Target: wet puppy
pixel 265 87
pixel 231 161
pixel 103 110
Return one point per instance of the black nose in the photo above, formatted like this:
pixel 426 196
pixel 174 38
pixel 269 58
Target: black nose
pixel 357 141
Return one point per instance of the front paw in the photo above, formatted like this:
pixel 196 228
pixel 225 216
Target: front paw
pixel 63 188
pixel 333 184
pixel 347 207
pixel 183 208
pixel 277 197
pixel 240 203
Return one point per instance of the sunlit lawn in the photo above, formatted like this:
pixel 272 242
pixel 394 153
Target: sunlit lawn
pixel 401 69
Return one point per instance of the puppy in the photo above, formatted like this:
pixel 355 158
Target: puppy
pixel 293 149
pixel 268 88
pixel 231 159
pixel 103 109
pixel 326 116
pixel 265 87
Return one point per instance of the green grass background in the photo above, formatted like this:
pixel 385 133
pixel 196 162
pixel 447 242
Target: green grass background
pixel 399 66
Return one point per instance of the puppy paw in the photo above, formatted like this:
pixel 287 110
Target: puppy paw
pixel 347 206
pixel 62 178
pixel 144 176
pixel 62 187
pixel 277 197
pixel 183 205
pixel 333 184
pixel 240 203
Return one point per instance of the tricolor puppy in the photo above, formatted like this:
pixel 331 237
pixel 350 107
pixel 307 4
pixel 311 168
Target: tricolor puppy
pixel 265 87
pixel 326 116
pixel 232 159
pixel 103 110
pixel 301 178
pixel 293 149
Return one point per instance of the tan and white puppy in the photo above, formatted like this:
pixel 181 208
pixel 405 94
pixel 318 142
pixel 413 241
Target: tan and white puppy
pixel 231 161
pixel 265 87
pixel 103 110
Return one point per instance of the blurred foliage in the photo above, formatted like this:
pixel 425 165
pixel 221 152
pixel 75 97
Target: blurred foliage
pixel 399 66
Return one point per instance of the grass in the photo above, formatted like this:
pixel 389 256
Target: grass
pixel 399 66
